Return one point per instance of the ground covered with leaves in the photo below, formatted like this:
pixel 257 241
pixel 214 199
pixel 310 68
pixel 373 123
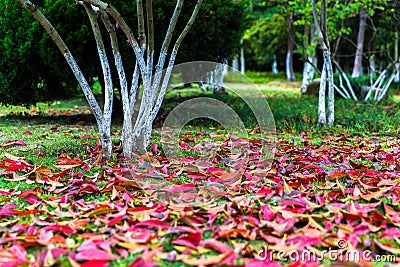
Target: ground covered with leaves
pixel 325 196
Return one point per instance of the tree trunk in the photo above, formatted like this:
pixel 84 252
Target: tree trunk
pixel 242 59
pixel 331 92
pixel 235 63
pixel 275 65
pixel 308 73
pixel 103 120
pixel 357 69
pixel 321 98
pixel 289 55
pixel 309 69
pixel 327 72
pixel 396 57
pixel 372 66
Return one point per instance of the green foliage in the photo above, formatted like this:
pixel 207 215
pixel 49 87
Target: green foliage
pixel 265 38
pixel 216 33
pixel 32 68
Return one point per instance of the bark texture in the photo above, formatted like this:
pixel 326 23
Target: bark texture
pixel 101 119
pixel 327 72
pixel 289 55
pixel 357 69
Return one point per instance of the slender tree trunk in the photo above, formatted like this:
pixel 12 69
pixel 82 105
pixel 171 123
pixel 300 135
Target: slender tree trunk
pixel 309 65
pixel 289 63
pixel 331 91
pixel 105 133
pixel 289 55
pixel 372 66
pixel 102 120
pixel 321 97
pixel 242 59
pixel 308 73
pixel 357 69
pixel 235 63
pixel 396 57
pixel 327 72
pixel 274 65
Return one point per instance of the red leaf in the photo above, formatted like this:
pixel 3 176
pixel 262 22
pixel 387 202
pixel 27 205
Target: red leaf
pixel 116 220
pixel 68 161
pixel 17 165
pixel 138 262
pixel 60 228
pixel 153 223
pixel 154 148
pixel 217 245
pixel 85 136
pixel 95 254
pixel 95 263
pixel 18 251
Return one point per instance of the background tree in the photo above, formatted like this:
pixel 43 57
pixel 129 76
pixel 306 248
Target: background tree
pixel 266 32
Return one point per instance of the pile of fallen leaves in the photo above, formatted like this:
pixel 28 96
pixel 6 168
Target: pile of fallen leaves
pixel 338 194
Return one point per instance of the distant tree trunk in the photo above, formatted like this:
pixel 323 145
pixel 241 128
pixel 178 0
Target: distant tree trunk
pixel 309 69
pixel 396 56
pixel 327 72
pixel 235 63
pixel 275 65
pixel 372 66
pixel 289 56
pixel 308 73
pixel 357 69
pixel 242 59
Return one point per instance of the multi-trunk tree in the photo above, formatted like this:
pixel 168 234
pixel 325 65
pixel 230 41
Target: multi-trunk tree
pixel 148 69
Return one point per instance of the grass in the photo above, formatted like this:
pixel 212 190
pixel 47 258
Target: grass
pixel 295 113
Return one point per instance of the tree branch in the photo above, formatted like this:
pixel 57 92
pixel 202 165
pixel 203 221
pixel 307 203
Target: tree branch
pixel 125 28
pixel 141 30
pixel 68 56
pixel 108 92
pixel 173 57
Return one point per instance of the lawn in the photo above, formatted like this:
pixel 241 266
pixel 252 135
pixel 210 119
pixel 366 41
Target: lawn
pixel 327 191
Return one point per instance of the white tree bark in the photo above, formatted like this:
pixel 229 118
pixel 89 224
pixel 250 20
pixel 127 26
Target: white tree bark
pixel 327 72
pixel 321 97
pixel 235 63
pixel 101 119
pixel 308 73
pixel 275 65
pixel 396 57
pixel 311 63
pixel 242 60
pixel 109 90
pixel 357 69
pixel 331 90
pixel 289 54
